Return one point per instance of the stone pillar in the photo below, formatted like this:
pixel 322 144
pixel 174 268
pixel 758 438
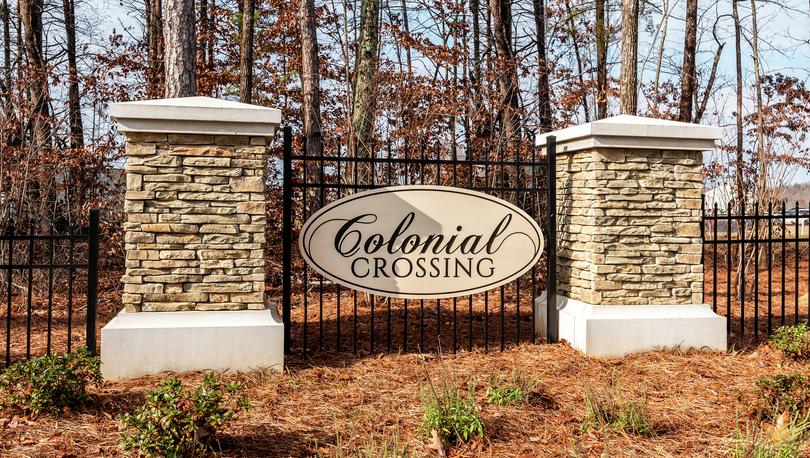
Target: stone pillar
pixel 195 224
pixel 629 244
pixel 194 235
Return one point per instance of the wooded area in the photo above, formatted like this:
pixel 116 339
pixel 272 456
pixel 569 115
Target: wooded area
pixel 463 74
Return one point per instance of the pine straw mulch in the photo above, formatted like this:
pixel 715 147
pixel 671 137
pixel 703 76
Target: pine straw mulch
pixel 333 404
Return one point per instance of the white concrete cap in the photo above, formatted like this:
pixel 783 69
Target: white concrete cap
pixel 196 115
pixel 626 131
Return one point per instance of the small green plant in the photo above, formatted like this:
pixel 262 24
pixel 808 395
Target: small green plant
pixel 614 412
pixel 783 439
pixel 175 421
pixel 513 391
pixel 792 341
pixel 781 393
pixel 49 384
pixel 450 417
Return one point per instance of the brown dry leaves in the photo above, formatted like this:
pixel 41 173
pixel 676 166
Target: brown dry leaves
pixel 696 402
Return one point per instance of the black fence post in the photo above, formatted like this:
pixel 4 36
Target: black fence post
pixel 92 279
pixel 286 262
pixel 552 315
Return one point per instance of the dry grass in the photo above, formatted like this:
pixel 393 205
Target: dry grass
pixel 696 402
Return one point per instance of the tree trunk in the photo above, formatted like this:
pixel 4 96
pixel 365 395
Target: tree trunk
pixel 543 89
pixel 572 32
pixel 508 105
pixel 310 89
pixel 7 108
pixel 180 37
pixel 407 29
pixel 246 54
pixel 475 72
pixel 601 60
pixel 365 86
pixel 74 98
pixel 739 148
pixel 154 48
pixel 628 96
pixel 688 75
pixel 31 16
pixel 761 154
pixel 710 83
pixel 202 55
pixel 660 59
pixel 212 29
pixel 310 79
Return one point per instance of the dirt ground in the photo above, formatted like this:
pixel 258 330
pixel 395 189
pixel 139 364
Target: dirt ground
pixel 333 405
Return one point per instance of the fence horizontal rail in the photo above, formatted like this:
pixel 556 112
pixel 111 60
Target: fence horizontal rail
pixel 527 190
pixel 418 161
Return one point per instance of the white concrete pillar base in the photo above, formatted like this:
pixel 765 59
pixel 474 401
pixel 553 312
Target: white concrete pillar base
pixel 610 331
pixel 142 343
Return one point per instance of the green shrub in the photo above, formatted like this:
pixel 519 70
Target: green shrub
pixel 49 384
pixel 454 418
pixel 614 412
pixel 792 341
pixel 782 440
pixel 513 391
pixel 175 421
pixel 782 393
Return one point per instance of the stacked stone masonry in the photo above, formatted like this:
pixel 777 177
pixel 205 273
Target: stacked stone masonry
pixel 195 226
pixel 629 226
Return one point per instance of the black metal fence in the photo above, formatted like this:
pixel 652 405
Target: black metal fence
pixel 757 266
pixel 319 314
pixel 36 269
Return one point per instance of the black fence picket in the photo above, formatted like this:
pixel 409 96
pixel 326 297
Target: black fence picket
pixel 738 247
pixel 33 264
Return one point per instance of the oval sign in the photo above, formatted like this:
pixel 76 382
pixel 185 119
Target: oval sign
pixel 419 242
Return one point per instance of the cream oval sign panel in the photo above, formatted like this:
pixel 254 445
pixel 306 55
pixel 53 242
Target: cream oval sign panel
pixel 420 242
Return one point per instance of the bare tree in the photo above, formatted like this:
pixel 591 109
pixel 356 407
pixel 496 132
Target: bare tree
pixel 310 78
pixel 601 60
pixel 154 47
pixel 688 76
pixel 310 88
pixel 543 88
pixel 246 52
pixel 476 71
pixel 572 32
pixel 74 97
pixel 30 12
pixel 180 37
pixel 761 154
pixel 7 78
pixel 740 182
pixel 664 28
pixel 506 72
pixel 202 54
pixel 628 95
pixel 365 84
pixel 710 83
